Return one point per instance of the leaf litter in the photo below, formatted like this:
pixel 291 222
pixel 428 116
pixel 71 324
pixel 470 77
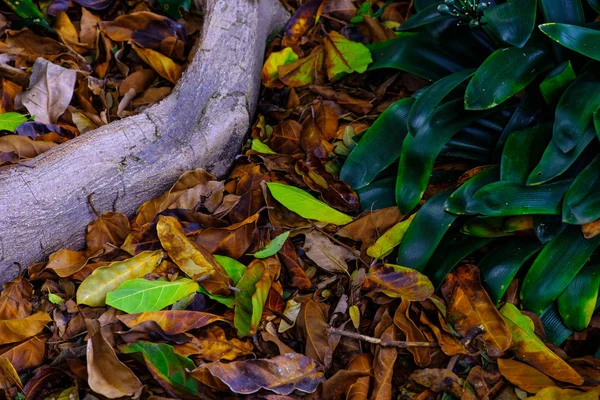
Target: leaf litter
pixel 273 283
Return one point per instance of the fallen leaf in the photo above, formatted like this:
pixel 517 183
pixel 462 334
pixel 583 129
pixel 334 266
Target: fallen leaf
pixel 50 91
pixel 8 375
pixel 396 281
pixel 390 239
pixel 294 271
pixel 384 359
pixel 15 299
pixel 325 254
pixel 66 262
pixel 273 246
pixel 212 345
pixel 11 120
pixel 232 241
pixel 282 374
pixel 344 56
pixel 109 227
pixel 359 390
pixel 591 229
pixel 524 376
pixel 94 288
pixel 16 330
pixel 28 354
pixel 160 63
pixel 335 387
pixel 249 301
pixel 555 393
pixel 448 342
pixel 67 33
pixel 370 225
pixel 402 320
pixel 106 374
pixel 191 258
pixel 313 328
pixel 22 147
pixel 305 71
pixel 439 380
pixel 142 295
pixel 530 349
pixel 286 137
pixel 303 19
pixel 274 60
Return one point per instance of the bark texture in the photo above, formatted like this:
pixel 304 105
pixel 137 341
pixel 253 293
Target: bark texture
pixel 44 202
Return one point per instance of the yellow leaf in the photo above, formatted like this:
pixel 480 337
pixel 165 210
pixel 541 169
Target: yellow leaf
pixel 162 64
pixel 270 76
pixel 344 56
pixel 15 330
pixel 8 375
pixel 390 239
pixel 555 393
pixel 354 316
pixel 524 376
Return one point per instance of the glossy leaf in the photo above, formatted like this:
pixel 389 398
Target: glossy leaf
pixel 555 329
pixel 577 303
pixel 577 38
pixel 142 295
pixel 522 152
pixel 524 376
pixel 512 22
pixel 397 281
pixel 425 233
pixel 260 147
pixel 569 12
pixel 305 205
pixel 248 303
pixel 94 288
pixel 502 75
pixel 379 194
pixel 425 16
pixel 343 56
pixel 562 258
pixel 232 267
pixel 491 227
pixel 500 266
pixel 273 246
pixel 390 239
pixel 369 158
pixel 582 200
pixel 459 201
pixel 27 10
pixel 557 81
pixel 282 374
pixel 530 349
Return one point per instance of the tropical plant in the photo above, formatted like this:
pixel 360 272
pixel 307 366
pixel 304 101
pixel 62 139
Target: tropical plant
pixel 515 92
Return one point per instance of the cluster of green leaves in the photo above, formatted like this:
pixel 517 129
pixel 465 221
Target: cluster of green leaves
pixel 515 86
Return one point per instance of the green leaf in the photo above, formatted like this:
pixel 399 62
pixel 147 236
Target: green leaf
pixel 420 151
pixel 595 4
pixel 547 227
pixel 377 195
pixel 566 11
pixel 530 349
pixel 582 200
pixel 55 299
pixel 557 80
pixel 511 22
pixel 554 161
pixel 11 120
pixel 248 303
pixel 343 56
pixel 305 205
pixel 234 268
pixel 432 97
pixel 522 152
pixel 27 10
pixel 555 267
pixel 555 329
pixel 502 75
pixel 574 113
pixel 491 227
pixel 501 199
pixel 453 248
pixel 172 7
pixel 426 16
pixel 460 200
pixel 577 38
pixel 500 266
pixel 416 53
pixel 425 233
pixel 390 239
pixel 577 303
pixel 260 147
pixel 167 366
pixel 369 157
pixel 142 295
pixel 273 246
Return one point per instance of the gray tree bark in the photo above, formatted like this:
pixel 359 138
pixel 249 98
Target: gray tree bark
pixel 202 124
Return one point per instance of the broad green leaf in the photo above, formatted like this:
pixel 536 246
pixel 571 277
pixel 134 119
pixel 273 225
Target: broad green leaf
pixel 167 366
pixel 499 266
pixel 574 113
pixel 595 4
pixel 491 227
pixel 582 201
pixel 397 281
pixel 305 205
pixel 172 7
pixel 420 151
pixel 432 96
pixel 501 199
pixel 577 38
pixel 530 349
pixel 426 16
pixel 11 120
pixel 142 295
pixel 260 147
pixel 512 22
pixel 547 227
pixel 54 298
pixel 270 75
pixel 416 53
pixel 27 10
pixel 377 195
pixel 234 268
pixel 459 201
pixel 522 152
pixel 554 161
pixel 568 12
pixel 453 248
pixel 273 246
pixel 248 303
pixel 390 239
pixel 343 56
pixel 577 303
pixel 425 233
pixel 555 329
pixel 502 75
pixel 369 157
pixel 94 288
pixel 557 80
pixel 562 258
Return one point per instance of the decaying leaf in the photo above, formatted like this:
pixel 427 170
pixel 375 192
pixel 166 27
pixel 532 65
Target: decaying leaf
pixel 383 360
pixel 555 393
pixel 172 322
pixel 109 227
pixel 524 376
pixel 15 330
pixel 396 281
pixel 359 390
pixel 249 301
pixel 211 344
pixel 390 239
pixel 412 333
pixel 15 299
pixel 325 254
pixel 439 380
pixel 345 56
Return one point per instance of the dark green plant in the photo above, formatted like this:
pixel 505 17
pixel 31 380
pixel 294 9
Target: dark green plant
pixel 515 84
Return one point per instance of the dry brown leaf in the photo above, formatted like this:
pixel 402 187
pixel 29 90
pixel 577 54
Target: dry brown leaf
pixel 359 390
pixel 412 333
pixel 68 34
pixel 231 241
pixel 591 229
pixel 28 354
pixel 524 376
pixel 22 146
pixel 325 254
pixel 370 225
pixel 384 360
pixel 211 344
pixel 16 330
pixel 313 329
pixel 15 299
pixel 109 227
pixel 162 64
pixel 439 380
pixel 66 262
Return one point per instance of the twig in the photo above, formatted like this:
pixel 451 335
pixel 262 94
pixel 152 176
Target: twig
pixel 92 204
pixel 381 342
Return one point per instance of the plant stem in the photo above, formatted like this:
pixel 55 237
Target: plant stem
pixel 381 342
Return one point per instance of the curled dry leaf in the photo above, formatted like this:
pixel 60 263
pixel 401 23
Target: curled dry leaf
pixel 66 262
pixel 313 329
pixel 109 227
pixel 396 281
pixel 15 299
pixel 384 360
pixel 160 63
pixel 469 305
pixel 412 333
pixel 524 376
pixel 28 354
pixel 16 330
pixel 8 375
pixel 335 387
pixel 282 374
pixel 359 390
pixel 211 344
pixel 22 147
pixel 371 225
pixel 325 254
pixel 555 393
pixel 94 288
pixel 106 374
pixel 439 380
pixel 232 241
pixel 172 322
pixel 191 258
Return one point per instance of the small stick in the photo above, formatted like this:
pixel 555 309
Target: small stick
pixel 381 342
